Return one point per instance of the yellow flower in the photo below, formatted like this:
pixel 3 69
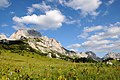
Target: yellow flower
pixel 61 78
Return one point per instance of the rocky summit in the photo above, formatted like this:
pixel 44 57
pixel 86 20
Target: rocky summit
pixel 19 34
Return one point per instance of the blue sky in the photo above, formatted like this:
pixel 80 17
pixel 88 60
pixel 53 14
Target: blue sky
pixel 79 25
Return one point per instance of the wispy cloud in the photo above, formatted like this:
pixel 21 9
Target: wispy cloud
pixel 87 30
pixel 42 6
pixel 4 25
pixel 12 12
pixel 74 47
pixel 102 39
pixel 91 29
pixel 110 2
pixel 4 3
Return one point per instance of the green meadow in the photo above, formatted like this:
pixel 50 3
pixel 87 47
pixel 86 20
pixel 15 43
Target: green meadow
pixel 14 66
pixel 20 62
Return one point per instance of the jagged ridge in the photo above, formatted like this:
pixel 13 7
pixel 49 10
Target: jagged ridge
pixel 48 46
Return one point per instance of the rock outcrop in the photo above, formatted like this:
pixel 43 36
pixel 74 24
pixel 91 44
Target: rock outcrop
pixel 2 36
pixel 46 44
pixel 112 55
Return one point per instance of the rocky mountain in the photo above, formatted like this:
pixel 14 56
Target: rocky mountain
pixel 93 55
pixel 48 46
pixel 23 33
pixel 112 55
pixel 2 36
pixel 39 42
pixel 88 54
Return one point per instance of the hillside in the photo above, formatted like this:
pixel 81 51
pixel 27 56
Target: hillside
pixel 21 47
pixel 14 66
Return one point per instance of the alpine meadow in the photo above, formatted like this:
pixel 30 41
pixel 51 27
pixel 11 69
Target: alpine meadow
pixel 59 40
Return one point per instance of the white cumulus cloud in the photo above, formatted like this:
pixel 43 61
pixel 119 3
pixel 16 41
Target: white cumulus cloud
pixel 87 7
pixel 52 19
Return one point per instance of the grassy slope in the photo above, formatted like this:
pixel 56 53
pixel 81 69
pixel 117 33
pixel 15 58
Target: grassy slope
pixel 16 66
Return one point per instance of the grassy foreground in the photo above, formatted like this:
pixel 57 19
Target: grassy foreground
pixel 31 66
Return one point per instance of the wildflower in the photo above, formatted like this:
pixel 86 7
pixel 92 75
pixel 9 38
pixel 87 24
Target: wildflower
pixel 11 73
pixel 61 78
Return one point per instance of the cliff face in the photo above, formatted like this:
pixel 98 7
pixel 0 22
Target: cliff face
pixel 39 42
pixel 46 44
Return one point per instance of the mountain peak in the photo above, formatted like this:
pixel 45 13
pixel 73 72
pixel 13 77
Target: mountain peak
pixel 112 55
pixel 91 54
pixel 25 33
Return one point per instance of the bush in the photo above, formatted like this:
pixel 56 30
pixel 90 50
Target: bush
pixel 84 60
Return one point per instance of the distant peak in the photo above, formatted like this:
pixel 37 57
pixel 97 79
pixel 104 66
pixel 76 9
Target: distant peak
pixel 113 55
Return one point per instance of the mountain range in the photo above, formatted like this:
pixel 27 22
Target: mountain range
pixel 51 47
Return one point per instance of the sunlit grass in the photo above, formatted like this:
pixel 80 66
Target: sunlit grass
pixel 15 66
